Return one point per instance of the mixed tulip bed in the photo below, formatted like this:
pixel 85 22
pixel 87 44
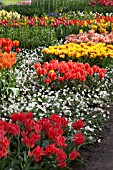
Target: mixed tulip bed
pixel 54 96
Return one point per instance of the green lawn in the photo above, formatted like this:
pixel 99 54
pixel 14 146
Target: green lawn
pixel 6 2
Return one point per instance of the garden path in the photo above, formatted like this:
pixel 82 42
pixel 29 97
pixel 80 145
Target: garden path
pixel 100 156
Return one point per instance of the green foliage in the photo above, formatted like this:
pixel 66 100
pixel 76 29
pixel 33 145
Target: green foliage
pixel 8 83
pixel 27 10
pixel 30 37
pixel 45 6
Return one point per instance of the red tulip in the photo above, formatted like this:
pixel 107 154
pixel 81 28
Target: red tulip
pixel 17 50
pixel 47 80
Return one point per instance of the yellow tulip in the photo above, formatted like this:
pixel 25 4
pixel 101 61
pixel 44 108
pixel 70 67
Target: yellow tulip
pixel 62 56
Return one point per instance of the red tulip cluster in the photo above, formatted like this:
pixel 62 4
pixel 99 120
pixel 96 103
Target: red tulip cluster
pixel 36 21
pixel 29 132
pixel 62 71
pixel 63 21
pixel 12 129
pixel 104 2
pixel 7 45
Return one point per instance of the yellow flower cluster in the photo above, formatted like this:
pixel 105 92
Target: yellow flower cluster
pixel 9 15
pixel 101 25
pixel 89 49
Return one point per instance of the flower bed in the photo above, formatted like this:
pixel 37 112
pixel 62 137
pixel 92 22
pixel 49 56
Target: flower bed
pixel 105 3
pixel 45 143
pixel 68 99
pixel 54 72
pixel 30 29
pixel 28 2
pixel 90 36
pixel 84 52
pixel 8 57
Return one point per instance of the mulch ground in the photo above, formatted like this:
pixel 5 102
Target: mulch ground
pixel 100 155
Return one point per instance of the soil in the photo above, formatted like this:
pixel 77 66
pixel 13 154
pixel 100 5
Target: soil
pixel 100 155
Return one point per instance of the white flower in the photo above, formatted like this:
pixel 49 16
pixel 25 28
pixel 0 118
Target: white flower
pixel 90 138
pixel 89 129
